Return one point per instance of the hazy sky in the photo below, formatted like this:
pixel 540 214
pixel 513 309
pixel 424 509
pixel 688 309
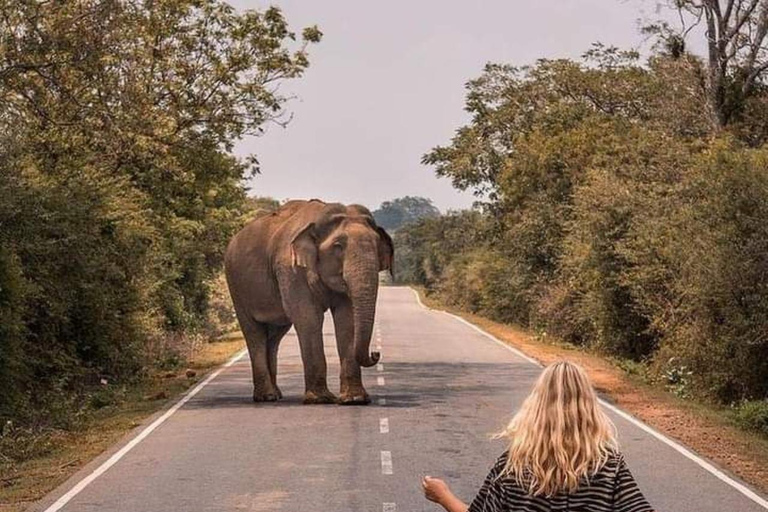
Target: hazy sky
pixel 386 84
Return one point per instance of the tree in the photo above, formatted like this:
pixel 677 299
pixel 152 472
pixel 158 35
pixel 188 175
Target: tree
pixel 399 212
pixel 260 206
pixel 120 192
pixel 617 215
pixel 424 248
pixel 737 49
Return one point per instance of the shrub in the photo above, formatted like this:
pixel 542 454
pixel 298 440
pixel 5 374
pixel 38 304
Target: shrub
pixel 615 217
pixel 119 187
pixel 697 270
pixel 753 415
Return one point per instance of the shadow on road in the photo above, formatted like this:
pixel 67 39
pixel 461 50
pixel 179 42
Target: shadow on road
pixel 408 385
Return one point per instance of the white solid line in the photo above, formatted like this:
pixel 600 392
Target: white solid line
pixel 382 401
pixel 380 367
pixel 743 489
pixel 386 463
pixel 380 380
pixel 384 425
pixel 82 484
pixel 495 339
pixel 389 507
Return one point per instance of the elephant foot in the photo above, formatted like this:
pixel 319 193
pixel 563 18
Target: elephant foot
pixel 270 396
pixel 355 398
pixel 279 393
pixel 323 397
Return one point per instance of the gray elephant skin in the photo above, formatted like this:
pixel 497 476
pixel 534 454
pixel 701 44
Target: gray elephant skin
pixel 287 269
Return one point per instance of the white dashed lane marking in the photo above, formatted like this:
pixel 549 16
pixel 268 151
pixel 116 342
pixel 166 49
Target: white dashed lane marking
pixel 386 463
pixel 386 456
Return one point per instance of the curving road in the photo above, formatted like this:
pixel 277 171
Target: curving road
pixel 443 386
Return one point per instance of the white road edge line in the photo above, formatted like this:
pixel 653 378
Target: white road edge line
pixel 382 401
pixel 386 463
pixel 82 484
pixel 384 425
pixel 380 367
pixel 380 380
pixel 389 507
pixel 743 489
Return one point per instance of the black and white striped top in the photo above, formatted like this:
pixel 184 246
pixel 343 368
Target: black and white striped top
pixel 611 489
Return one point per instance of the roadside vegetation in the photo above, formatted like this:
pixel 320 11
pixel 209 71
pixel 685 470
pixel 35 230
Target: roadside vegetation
pixel 622 207
pixel 119 194
pixel 39 460
pixel 394 214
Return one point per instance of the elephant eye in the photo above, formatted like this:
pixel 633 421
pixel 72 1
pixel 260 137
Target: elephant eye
pixel 338 245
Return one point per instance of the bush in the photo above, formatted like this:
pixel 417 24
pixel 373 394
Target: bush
pixel 616 218
pixel 13 298
pixel 696 267
pixel 753 415
pixel 119 189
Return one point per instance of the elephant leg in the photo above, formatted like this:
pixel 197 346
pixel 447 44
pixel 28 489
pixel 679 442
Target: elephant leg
pixel 352 390
pixel 309 327
pixel 274 336
pixel 256 339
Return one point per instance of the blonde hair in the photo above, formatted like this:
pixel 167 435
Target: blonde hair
pixel 560 435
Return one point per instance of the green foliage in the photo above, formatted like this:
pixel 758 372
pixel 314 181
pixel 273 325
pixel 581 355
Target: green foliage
pixel 617 216
pixel 393 215
pixel 258 206
pixel 19 443
pixel 425 248
pixel 120 192
pixel 13 295
pixel 699 271
pixel 485 282
pixel 753 415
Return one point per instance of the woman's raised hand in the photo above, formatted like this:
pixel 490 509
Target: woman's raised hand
pixel 435 489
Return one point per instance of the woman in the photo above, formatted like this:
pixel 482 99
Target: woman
pixel 562 455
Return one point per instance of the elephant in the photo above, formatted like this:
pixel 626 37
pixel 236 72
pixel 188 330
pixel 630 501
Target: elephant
pixel 287 269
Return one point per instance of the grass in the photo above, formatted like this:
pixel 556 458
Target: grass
pixel 56 455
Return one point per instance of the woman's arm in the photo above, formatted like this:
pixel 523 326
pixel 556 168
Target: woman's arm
pixel 438 491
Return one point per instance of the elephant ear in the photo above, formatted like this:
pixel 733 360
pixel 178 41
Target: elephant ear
pixel 386 251
pixel 304 248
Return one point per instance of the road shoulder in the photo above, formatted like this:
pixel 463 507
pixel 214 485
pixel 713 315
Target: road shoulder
pixel 23 484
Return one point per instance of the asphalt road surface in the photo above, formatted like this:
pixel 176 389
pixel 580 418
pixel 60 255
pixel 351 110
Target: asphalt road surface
pixel 441 389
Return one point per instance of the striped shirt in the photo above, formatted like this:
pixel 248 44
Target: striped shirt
pixel 611 489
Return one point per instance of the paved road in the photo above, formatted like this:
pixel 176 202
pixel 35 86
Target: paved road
pixel 441 390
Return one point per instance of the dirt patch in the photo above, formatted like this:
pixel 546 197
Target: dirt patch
pixel 702 428
pixel 24 483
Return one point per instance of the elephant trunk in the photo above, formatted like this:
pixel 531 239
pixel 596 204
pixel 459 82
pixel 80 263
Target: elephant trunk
pixel 362 278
